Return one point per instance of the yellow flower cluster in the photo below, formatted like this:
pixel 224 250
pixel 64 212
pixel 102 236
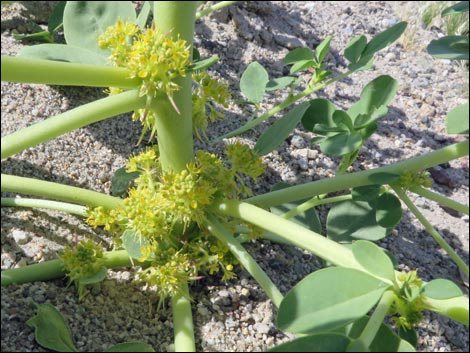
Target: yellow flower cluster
pixel 410 179
pixel 408 305
pixel 149 55
pixel 82 262
pixel 206 92
pixel 163 208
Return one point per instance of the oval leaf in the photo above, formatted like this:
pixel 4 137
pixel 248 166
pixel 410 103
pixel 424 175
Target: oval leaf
pixel 385 340
pixel 354 48
pixel 301 65
pixel 131 347
pixel 62 52
pixel 121 180
pixel 327 299
pixel 96 278
pixel 85 21
pixel 298 54
pixel 384 39
pixel 322 342
pixel 320 111
pixel 449 47
pixel 455 9
pixel 442 289
pixel 341 144
pixel 352 220
pixel 50 329
pixel 365 193
pixel 322 49
pixel 253 82
pixel 373 259
pixel 280 130
pixel 389 210
pixel 133 243
pixel 279 83
pixel 457 120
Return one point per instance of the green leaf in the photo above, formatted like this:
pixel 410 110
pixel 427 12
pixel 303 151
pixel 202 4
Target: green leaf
pixel 449 47
pixel 131 347
pixel 62 52
pixel 320 111
pixel 365 193
pixel 377 93
pixel 384 39
pixel 354 48
pixel 389 210
pixel 280 130
pixel 442 289
pixel 411 336
pixel 279 83
pixel 43 36
pixel 342 119
pixel 327 299
pixel 202 64
pixel 57 17
pixel 455 9
pixel 341 144
pixel 364 120
pixel 321 342
pixel 357 345
pixel 382 178
pixel 253 82
pixel 298 54
pixel 121 180
pixel 50 329
pixel 364 63
pixel 373 259
pixel 141 20
pixel 352 220
pixel 385 340
pixel 322 49
pixel 301 65
pixel 95 278
pixel 457 120
pixel 326 130
pixel 85 21
pixel 133 243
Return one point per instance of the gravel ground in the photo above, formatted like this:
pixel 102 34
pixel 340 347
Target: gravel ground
pixel 234 316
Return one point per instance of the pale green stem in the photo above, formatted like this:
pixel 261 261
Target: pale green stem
pixel 245 259
pixel 174 129
pixel 54 269
pixel 444 201
pixel 48 72
pixel 29 186
pixel 286 103
pixel 73 119
pixel 314 202
pixel 377 318
pixel 295 234
pixel 431 230
pixel 324 186
pixel 38 203
pixel 183 321
pixel 215 7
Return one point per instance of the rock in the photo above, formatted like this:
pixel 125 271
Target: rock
pixel 287 41
pixel 261 328
pixel 297 141
pixel 20 237
pixel 440 176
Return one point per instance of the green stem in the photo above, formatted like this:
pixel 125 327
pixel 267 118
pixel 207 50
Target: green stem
pixel 54 269
pixel 286 103
pixel 314 202
pixel 440 199
pixel 431 230
pixel 215 7
pixel 183 321
pixel 351 180
pixel 73 119
pixel 29 186
pixel 38 203
pixel 17 69
pixel 245 259
pixel 174 130
pixel 295 234
pixel 375 321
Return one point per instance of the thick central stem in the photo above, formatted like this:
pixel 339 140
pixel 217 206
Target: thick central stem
pixel 174 130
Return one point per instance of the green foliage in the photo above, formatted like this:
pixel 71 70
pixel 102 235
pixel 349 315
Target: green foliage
pixel 442 289
pixel 50 329
pixel 373 259
pixel 321 342
pixel 341 295
pixel 457 120
pixel 253 82
pixel 121 180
